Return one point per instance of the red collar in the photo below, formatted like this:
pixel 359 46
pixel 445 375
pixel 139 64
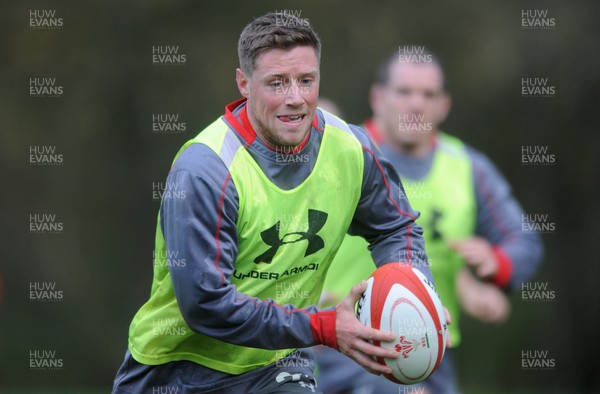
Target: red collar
pixel 244 128
pixel 373 132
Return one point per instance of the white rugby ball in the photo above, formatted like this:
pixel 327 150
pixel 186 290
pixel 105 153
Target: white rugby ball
pixel 402 300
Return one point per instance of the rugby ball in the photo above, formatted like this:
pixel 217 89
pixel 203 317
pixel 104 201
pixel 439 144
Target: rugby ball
pixel 402 300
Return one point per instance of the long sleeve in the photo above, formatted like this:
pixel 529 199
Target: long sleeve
pixel 499 220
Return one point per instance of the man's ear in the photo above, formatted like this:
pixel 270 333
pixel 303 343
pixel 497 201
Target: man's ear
pixel 242 82
pixel 445 105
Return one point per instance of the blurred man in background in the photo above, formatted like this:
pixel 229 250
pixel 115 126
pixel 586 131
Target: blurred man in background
pixel 472 223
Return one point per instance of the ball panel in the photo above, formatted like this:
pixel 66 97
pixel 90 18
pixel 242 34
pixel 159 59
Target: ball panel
pixel 400 299
pixel 409 319
pixel 439 308
pixel 364 304
pixel 416 282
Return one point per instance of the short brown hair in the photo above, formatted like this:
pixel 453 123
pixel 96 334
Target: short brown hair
pixel 382 77
pixel 275 30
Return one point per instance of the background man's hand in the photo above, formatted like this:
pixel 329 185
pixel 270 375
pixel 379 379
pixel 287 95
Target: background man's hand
pixel 479 254
pixel 448 322
pixel 353 337
pixel 483 301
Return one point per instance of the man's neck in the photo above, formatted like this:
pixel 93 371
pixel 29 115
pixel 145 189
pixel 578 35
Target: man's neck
pixel 417 150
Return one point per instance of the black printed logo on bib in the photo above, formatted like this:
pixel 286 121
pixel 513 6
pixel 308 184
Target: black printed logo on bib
pixel 316 221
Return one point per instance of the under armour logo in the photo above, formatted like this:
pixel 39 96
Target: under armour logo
pixel 316 221
pixel 307 385
pixel 297 377
pixel 287 377
pixel 434 224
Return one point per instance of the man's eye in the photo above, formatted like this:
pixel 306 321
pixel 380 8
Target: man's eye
pixel 403 92
pixel 276 84
pixel 431 95
pixel 306 81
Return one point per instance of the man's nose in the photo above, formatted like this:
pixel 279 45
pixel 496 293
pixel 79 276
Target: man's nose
pixel 294 95
pixel 417 102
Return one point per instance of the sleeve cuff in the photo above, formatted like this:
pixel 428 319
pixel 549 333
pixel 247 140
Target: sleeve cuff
pixel 505 268
pixel 322 325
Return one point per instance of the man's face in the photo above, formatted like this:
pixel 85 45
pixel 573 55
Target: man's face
pixel 282 94
pixel 412 104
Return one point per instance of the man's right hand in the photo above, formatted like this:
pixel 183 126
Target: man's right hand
pixel 484 301
pixel 353 337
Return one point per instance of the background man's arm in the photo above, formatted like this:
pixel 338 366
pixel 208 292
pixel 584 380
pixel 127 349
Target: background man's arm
pixel 514 254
